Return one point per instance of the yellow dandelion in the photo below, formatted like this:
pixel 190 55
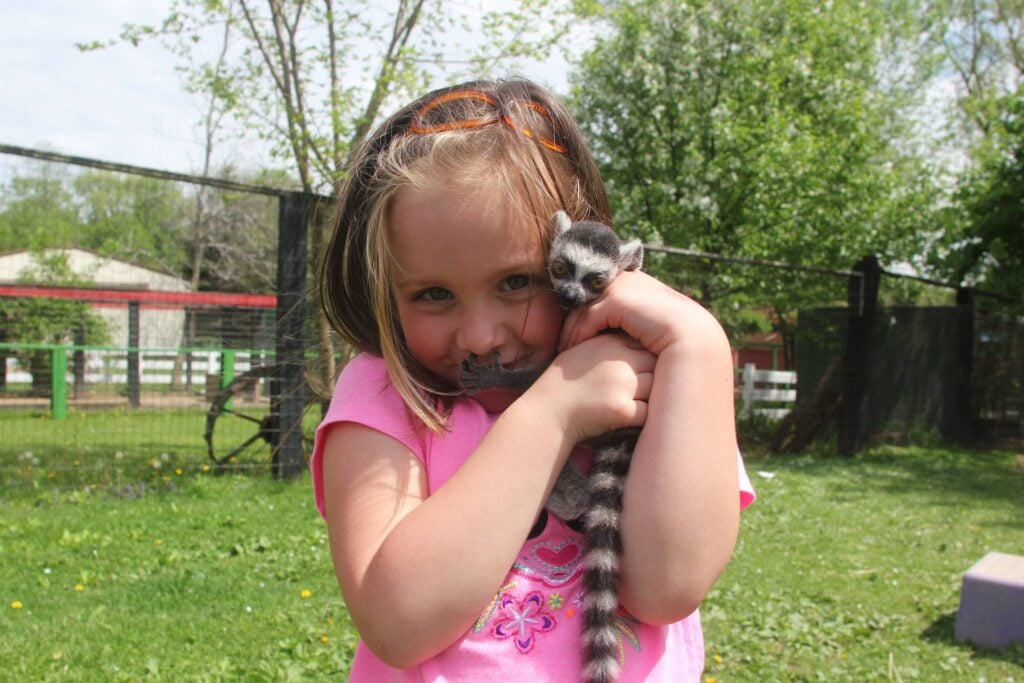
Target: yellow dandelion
pixel 178 471
pixel 79 588
pixel 718 659
pixel 205 468
pixel 710 679
pixel 325 639
pixel 306 594
pixel 17 604
pixel 158 542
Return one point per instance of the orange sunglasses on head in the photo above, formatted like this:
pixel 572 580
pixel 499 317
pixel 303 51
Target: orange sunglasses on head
pixel 419 124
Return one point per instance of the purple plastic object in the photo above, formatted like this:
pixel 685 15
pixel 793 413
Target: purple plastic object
pixel 991 610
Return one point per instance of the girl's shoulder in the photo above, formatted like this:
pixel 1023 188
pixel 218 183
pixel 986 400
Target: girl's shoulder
pixel 364 395
pixel 361 369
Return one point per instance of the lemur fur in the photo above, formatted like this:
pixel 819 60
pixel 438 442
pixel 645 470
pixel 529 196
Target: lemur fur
pixel 583 259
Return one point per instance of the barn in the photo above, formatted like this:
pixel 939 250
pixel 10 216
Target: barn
pixel 160 327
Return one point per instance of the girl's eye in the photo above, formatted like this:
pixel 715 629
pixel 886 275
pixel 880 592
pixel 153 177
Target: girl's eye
pixel 435 294
pixel 516 282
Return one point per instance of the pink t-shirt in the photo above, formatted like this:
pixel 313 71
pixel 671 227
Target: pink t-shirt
pixel 531 629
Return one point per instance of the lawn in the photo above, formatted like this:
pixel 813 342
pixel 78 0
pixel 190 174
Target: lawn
pixel 846 570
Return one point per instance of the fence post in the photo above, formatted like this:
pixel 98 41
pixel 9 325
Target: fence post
pixel 78 361
pixel 227 372
pixel 862 302
pixel 134 388
pixel 288 388
pixel 747 389
pixel 58 382
pixel 959 421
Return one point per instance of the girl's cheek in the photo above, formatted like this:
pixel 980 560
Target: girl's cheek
pixel 425 337
pixel 544 323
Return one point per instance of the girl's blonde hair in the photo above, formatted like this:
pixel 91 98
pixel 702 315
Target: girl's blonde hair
pixel 511 138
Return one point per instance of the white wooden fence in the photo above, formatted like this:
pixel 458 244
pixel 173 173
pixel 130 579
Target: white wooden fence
pixel 155 367
pixel 767 386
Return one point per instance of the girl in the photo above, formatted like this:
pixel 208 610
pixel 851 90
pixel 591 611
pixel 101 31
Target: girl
pixel 449 565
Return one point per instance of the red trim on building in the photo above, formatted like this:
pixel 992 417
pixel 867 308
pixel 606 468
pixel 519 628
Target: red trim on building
pixel 142 296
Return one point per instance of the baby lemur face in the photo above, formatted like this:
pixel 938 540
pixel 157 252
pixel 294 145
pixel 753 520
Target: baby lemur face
pixel 585 257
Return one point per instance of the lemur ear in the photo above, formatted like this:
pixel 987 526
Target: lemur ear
pixel 631 255
pixel 562 223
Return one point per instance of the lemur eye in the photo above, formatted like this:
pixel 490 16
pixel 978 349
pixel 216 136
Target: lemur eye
pixel 558 269
pixel 598 283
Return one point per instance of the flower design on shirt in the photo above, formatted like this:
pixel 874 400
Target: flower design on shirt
pixel 522 620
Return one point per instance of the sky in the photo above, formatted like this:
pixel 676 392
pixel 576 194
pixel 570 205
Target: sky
pixel 123 104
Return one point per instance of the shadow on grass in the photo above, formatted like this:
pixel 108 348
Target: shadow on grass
pixel 953 477
pixel 942 632
pixel 950 477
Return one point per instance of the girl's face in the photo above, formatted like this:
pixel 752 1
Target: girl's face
pixel 468 280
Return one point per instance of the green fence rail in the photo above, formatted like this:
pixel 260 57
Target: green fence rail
pixel 60 368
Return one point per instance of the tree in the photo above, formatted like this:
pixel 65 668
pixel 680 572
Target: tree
pixel 981 45
pixel 754 128
pixel 984 241
pixel 311 78
pixel 37 211
pixel 137 219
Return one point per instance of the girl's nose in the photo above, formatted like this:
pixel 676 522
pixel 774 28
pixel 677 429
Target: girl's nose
pixel 480 333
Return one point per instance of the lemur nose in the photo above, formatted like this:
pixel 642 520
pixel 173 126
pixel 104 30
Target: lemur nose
pixel 570 297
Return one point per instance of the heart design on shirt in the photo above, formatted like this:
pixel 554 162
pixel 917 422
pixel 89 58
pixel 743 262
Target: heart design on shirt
pixel 555 563
pixel 560 556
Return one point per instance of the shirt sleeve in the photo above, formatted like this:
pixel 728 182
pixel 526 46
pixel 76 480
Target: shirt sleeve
pixel 364 395
pixel 747 494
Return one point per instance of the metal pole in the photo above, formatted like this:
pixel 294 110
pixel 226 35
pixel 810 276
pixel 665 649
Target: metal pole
pixel 862 301
pixel 288 388
pixel 58 383
pixel 134 390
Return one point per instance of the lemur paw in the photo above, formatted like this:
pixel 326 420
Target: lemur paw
pixel 474 376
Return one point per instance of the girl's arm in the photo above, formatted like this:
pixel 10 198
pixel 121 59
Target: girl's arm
pixel 680 513
pixel 416 571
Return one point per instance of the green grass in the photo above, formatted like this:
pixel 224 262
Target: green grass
pixel 846 570
pixel 101 448
pixel 205 582
pixel 850 569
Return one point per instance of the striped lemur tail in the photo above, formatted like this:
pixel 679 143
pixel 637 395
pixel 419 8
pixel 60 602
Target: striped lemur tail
pixel 583 260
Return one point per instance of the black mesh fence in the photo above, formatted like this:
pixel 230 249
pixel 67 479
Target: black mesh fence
pixel 151 325
pixel 169 330
pixel 948 370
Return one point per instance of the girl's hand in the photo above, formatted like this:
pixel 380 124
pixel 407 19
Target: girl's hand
pixel 599 385
pixel 653 313
pixel 680 509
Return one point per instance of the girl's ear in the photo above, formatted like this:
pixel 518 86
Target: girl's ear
pixel 631 255
pixel 562 223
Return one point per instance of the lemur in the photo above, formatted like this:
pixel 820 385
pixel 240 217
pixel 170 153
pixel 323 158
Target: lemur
pixel 583 259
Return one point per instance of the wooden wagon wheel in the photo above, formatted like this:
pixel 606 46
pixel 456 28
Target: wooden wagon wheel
pixel 261 433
